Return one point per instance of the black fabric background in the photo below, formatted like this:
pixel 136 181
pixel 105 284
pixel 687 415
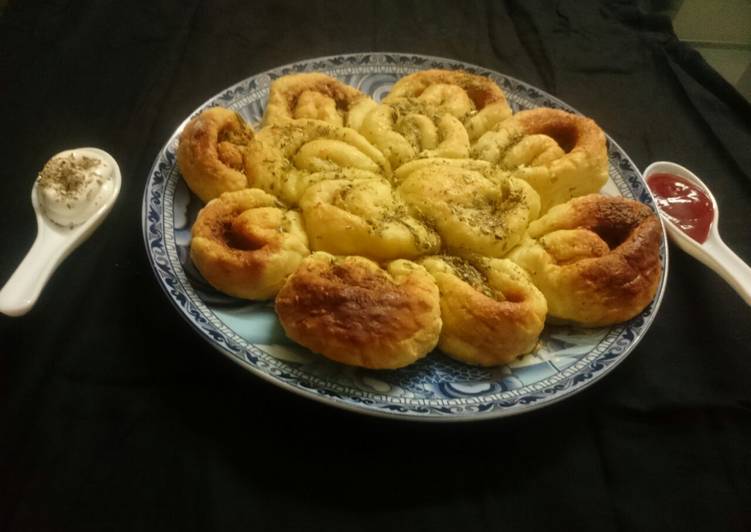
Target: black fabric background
pixel 114 415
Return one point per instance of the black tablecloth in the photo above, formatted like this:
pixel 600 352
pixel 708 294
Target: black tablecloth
pixel 114 415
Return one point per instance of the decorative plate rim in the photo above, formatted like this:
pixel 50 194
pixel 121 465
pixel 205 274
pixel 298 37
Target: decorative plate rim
pixel 570 385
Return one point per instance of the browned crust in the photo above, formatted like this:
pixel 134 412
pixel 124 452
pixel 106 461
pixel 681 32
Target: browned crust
pixel 570 131
pixel 480 89
pixel 627 277
pixel 612 218
pixel 355 313
pixel 209 153
pixel 621 283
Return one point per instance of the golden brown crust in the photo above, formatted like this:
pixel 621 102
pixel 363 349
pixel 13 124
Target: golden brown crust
pixel 596 259
pixel 352 311
pixel 245 244
pixel 464 169
pixel 491 311
pixel 210 152
pixel 311 96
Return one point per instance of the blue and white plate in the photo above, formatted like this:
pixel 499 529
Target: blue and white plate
pixel 436 388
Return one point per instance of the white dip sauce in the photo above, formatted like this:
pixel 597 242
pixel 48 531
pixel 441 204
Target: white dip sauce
pixel 72 186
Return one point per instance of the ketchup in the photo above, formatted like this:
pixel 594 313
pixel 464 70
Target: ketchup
pixel 686 205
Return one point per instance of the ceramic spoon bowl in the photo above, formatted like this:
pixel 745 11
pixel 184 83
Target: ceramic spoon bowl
pixel 714 253
pixel 54 243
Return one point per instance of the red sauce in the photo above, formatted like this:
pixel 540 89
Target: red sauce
pixel 686 205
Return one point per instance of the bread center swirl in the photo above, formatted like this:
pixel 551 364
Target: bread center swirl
pixel 364 217
pixel 256 228
pixel 472 213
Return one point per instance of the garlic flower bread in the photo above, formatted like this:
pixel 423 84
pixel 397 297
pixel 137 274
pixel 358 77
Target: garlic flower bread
pixel 436 218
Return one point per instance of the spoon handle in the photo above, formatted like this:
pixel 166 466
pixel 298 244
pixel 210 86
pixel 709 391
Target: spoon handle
pixel 730 267
pixel 23 288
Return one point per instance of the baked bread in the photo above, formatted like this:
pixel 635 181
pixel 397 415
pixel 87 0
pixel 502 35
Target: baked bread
pixel 245 243
pixel 316 96
pixel 285 160
pixel 353 311
pixel 476 100
pixel 595 258
pixel 562 155
pixel 434 113
pixel 210 152
pixel 364 217
pixel 441 173
pixel 491 311
pixel 475 211
pixel 408 130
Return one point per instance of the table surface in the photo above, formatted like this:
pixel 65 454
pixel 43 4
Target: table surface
pixel 114 415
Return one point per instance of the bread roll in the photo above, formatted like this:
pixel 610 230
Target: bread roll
pixel 562 155
pixel 313 95
pixel 245 243
pixel 491 311
pixel 285 160
pixel 474 211
pixel 475 100
pixel 407 131
pixel 210 152
pixel 352 311
pixel 595 258
pixel 364 217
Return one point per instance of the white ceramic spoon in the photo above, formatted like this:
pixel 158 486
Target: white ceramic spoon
pixel 713 252
pixel 54 243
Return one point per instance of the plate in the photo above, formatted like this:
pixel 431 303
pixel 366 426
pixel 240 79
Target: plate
pixel 436 388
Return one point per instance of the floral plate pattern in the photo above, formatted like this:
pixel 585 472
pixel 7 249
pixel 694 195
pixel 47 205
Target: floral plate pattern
pixel 435 388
